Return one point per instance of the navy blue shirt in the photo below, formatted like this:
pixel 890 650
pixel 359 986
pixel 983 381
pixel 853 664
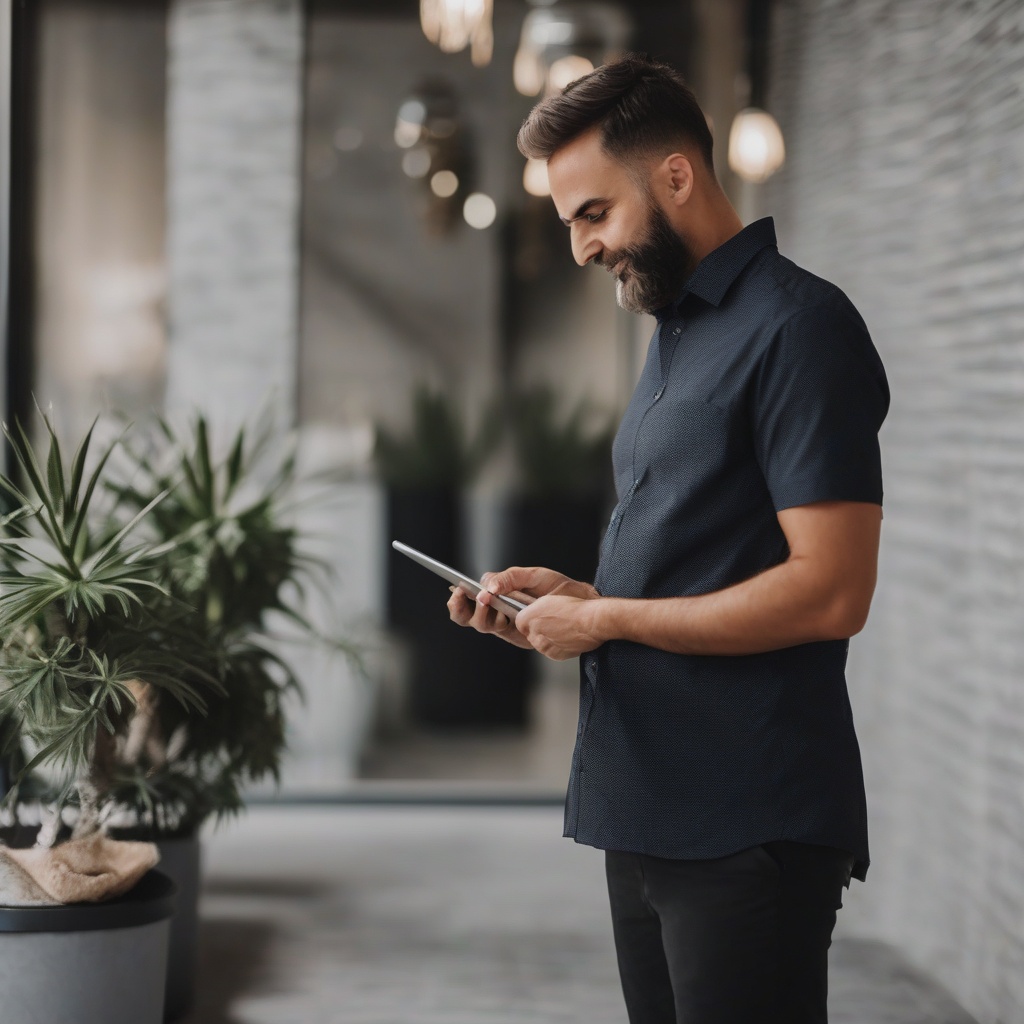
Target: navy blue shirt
pixel 761 391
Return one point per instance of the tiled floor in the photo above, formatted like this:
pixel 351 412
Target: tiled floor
pixel 429 915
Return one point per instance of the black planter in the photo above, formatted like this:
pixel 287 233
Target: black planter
pixel 91 963
pixel 560 533
pixel 430 520
pixel 180 861
pixel 462 679
pixel 458 679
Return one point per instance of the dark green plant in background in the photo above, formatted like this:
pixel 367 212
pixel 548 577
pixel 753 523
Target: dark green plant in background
pixel 565 455
pixel 438 450
pixel 236 563
pixel 88 632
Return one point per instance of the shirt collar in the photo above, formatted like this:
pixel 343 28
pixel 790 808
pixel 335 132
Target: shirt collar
pixel 715 273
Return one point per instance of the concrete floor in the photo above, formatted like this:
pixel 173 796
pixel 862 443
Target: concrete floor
pixel 439 915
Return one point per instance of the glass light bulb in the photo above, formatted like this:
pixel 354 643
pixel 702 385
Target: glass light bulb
pixel 416 163
pixel 756 146
pixel 535 178
pixel 479 210
pixel 444 184
pixel 453 25
pixel 527 71
pixel 566 70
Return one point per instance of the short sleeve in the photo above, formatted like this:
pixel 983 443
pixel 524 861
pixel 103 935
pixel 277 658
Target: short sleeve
pixel 819 400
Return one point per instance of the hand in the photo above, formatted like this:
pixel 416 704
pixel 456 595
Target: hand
pixel 561 626
pixel 535 581
pixel 465 611
pixel 523 583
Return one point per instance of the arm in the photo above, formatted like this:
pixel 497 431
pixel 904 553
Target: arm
pixel 821 592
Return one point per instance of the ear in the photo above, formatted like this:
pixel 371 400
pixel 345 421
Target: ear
pixel 676 177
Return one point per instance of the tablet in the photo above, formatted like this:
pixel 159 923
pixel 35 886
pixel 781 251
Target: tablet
pixel 509 605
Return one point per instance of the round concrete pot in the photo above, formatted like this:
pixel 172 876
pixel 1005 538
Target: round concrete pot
pixel 91 963
pixel 180 861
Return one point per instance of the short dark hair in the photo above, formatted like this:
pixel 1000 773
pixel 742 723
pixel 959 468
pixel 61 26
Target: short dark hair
pixel 643 107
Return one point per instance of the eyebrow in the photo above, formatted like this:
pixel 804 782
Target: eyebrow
pixel 582 209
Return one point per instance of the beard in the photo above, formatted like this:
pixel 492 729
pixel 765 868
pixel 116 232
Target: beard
pixel 651 273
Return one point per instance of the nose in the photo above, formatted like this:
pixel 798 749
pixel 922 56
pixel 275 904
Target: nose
pixel 585 246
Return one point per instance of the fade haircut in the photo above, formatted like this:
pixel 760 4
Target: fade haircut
pixel 644 109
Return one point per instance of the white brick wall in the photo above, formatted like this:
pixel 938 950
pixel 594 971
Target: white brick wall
pixel 234 132
pixel 905 125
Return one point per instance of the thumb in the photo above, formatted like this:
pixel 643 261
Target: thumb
pixel 516 577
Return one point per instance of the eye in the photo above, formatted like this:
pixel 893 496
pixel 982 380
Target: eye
pixel 593 218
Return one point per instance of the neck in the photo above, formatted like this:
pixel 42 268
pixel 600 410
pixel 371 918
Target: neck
pixel 710 222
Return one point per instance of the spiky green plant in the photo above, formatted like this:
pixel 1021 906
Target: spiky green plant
pixel 86 626
pixel 438 450
pixel 559 455
pixel 236 561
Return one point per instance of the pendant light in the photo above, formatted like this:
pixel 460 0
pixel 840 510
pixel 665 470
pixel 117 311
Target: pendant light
pixel 756 146
pixel 561 42
pixel 453 25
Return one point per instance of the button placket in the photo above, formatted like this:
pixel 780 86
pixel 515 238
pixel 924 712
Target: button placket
pixel 667 344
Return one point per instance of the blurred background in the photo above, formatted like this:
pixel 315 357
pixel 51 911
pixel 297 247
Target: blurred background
pixel 313 214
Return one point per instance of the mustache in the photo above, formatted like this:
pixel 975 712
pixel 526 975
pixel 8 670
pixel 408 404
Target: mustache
pixel 610 260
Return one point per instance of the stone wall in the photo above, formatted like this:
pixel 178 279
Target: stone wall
pixel 234 130
pixel 905 185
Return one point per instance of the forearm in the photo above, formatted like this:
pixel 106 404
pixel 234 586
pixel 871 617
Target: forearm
pixel 782 607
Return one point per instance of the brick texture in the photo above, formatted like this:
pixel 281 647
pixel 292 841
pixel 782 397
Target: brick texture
pixel 904 121
pixel 234 133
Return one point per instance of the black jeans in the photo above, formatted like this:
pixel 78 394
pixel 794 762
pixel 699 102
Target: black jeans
pixel 737 940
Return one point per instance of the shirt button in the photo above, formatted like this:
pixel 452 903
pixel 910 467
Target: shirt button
pixel 677 330
pixel 658 393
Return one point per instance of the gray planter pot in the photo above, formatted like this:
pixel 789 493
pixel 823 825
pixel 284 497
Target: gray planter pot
pixel 102 963
pixel 180 861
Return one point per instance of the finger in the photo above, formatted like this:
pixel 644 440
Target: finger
pixel 460 607
pixel 524 619
pixel 506 617
pixel 485 619
pixel 518 578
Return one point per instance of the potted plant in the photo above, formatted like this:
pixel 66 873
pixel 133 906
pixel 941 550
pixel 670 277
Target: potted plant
pixel 564 463
pixel 233 561
pixel 425 472
pixel 81 650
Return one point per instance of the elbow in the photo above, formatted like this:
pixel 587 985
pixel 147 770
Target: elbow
pixel 850 624
pixel 845 616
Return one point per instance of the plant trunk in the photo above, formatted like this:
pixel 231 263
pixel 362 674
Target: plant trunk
pixel 88 810
pixel 94 784
pixel 49 826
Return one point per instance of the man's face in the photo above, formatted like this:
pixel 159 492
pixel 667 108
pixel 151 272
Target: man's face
pixel 617 224
pixel 651 273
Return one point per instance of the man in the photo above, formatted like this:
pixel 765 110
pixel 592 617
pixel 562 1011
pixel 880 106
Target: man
pixel 716 761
